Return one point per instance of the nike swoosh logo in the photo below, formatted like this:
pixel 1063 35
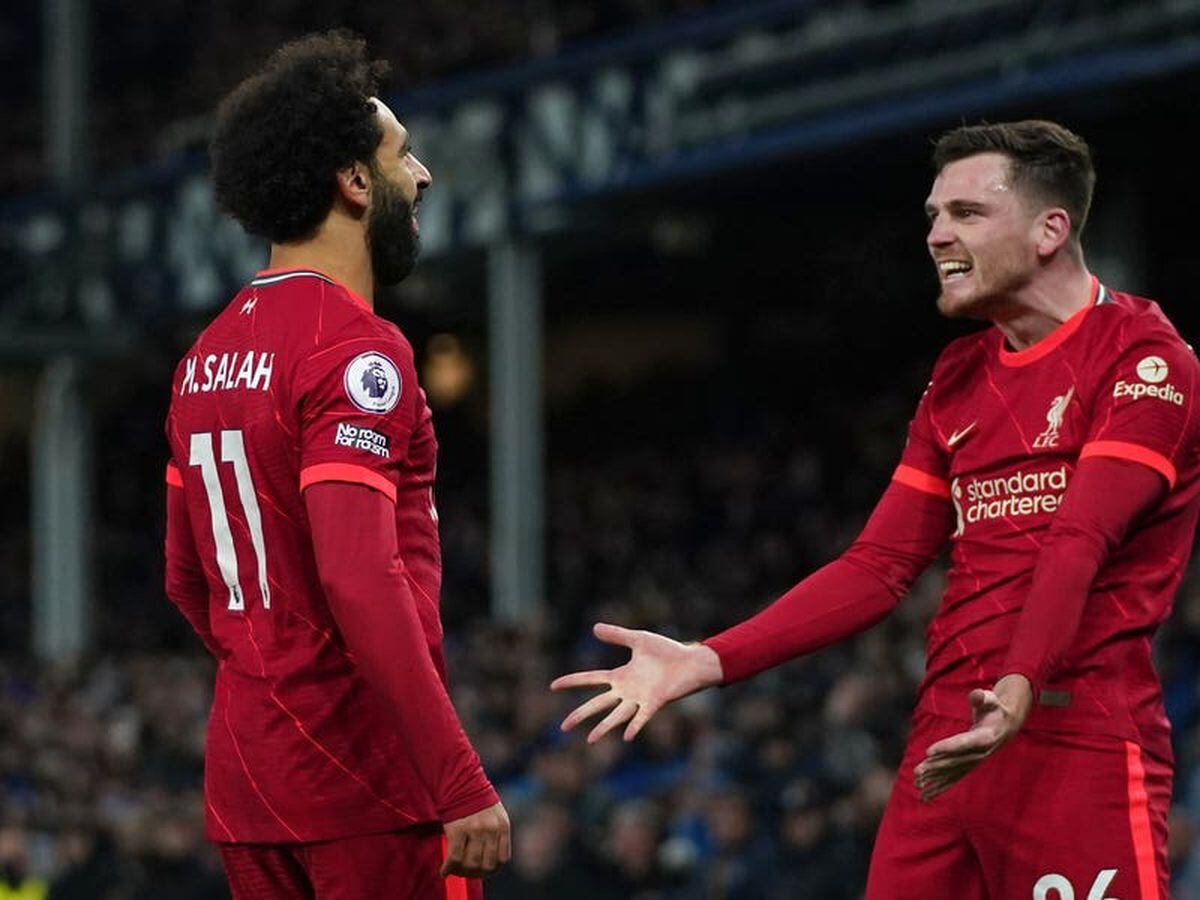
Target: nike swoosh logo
pixel 959 435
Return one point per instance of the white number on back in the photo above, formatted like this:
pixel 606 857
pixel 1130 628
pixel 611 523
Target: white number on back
pixel 1062 887
pixel 233 450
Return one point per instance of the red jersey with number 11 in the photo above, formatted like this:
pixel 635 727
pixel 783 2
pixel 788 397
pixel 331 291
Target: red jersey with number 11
pixel 999 434
pixel 298 382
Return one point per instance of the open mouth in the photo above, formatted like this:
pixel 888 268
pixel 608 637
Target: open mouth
pixel 954 269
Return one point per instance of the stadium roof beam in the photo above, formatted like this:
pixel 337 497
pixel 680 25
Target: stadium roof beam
pixel 61 436
pixel 515 357
pixel 61 462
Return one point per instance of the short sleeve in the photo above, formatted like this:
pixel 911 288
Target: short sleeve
pixel 356 412
pixel 924 464
pixel 1143 410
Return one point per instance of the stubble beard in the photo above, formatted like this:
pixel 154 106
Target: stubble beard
pixel 993 287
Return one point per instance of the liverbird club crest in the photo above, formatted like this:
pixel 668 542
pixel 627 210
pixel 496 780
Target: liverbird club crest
pixel 1054 420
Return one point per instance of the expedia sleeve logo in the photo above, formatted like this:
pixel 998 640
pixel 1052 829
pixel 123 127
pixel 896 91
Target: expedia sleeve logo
pixel 373 383
pixel 1153 372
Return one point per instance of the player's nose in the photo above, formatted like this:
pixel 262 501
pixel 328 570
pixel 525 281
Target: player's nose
pixel 939 234
pixel 421 174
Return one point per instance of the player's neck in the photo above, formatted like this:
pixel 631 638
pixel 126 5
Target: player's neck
pixel 1044 305
pixel 336 250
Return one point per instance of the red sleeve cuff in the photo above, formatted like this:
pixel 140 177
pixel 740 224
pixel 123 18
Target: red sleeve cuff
pixel 1018 667
pixel 174 476
pixel 730 672
pixel 347 472
pixel 1134 453
pixel 922 481
pixel 478 801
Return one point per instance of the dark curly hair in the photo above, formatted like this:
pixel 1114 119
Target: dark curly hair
pixel 284 133
pixel 1049 161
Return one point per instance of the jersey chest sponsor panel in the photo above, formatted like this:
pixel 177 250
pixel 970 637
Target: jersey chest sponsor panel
pixel 299 748
pixel 1000 434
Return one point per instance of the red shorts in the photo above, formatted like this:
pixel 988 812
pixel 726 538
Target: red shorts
pixel 398 865
pixel 1048 817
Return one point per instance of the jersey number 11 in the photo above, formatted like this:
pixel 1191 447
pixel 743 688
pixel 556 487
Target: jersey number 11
pixel 233 450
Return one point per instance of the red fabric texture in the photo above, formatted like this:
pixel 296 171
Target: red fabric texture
pixel 296 374
pixel 393 864
pixel 1045 810
pixel 1071 600
pixel 1008 439
pixel 364 580
pixel 186 585
pixel 1105 497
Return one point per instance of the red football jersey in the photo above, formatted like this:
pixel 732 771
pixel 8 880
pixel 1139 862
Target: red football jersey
pixel 297 382
pixel 999 433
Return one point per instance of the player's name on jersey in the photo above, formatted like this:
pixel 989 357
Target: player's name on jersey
pixel 250 371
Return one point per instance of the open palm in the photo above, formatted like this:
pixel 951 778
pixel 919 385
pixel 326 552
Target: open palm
pixel 659 670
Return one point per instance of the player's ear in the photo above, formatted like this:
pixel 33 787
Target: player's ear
pixel 354 185
pixel 1054 230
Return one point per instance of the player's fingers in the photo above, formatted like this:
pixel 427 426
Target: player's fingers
pixel 948 776
pixel 614 634
pixel 472 858
pixel 619 716
pixel 594 678
pixel 586 710
pixel 638 722
pixel 966 742
pixel 491 851
pixel 504 845
pixel 455 841
pixel 935 764
pixel 933 782
pixel 934 786
pixel 933 792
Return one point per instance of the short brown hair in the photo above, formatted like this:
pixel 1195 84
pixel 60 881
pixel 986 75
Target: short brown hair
pixel 1049 162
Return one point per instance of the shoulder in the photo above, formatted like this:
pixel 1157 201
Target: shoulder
pixel 1133 325
pixel 962 354
pixel 362 355
pixel 356 330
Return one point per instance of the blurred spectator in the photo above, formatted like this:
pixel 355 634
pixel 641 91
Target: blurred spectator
pixel 89 866
pixel 16 881
pixel 742 862
pixel 546 863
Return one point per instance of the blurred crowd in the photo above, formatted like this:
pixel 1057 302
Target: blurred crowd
pixel 157 70
pixel 684 523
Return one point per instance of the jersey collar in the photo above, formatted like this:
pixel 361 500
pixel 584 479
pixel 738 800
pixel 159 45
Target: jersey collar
pixel 1054 339
pixel 274 276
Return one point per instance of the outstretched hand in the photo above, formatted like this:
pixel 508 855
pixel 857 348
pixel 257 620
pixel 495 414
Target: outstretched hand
pixel 659 670
pixel 997 714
